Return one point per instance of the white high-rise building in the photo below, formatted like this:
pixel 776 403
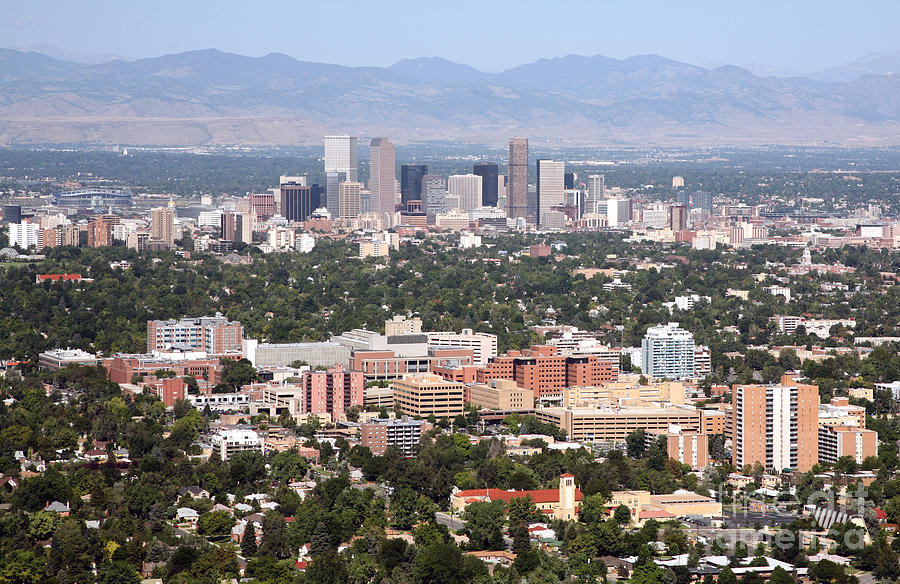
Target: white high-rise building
pixel 468 187
pixel 551 186
pixel 25 235
pixel 618 212
pixel 667 352
pixel 341 156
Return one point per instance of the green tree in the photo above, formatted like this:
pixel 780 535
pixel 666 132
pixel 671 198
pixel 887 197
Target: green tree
pixel 275 540
pixel 215 524
pixel 636 444
pixel 483 525
pixel 42 525
pixel 248 542
pixel 622 515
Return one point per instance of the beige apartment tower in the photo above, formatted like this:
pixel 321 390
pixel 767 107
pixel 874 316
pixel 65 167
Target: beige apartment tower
pixel 517 183
pixel 776 425
pixel 162 225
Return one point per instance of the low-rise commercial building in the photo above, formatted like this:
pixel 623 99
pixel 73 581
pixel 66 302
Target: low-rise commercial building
pixel 231 441
pixel 59 358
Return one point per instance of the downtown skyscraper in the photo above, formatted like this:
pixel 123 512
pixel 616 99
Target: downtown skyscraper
pixel 382 175
pixel 551 189
pixel 341 164
pixel 517 185
pixel 489 172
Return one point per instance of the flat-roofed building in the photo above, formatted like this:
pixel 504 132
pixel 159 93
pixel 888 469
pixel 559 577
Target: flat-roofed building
pixel 425 394
pixel 380 433
pixel 500 394
pixel 690 448
pixel 59 358
pixel 614 423
pixel 231 441
pixel 213 334
pixel 776 425
pixel 836 442
pixel 483 345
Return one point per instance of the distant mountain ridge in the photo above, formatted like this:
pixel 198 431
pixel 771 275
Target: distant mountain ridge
pixel 209 96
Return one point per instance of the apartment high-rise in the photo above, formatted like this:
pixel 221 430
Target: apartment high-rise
pixel 667 352
pixel 489 172
pixel 296 198
pixel 434 194
pixel 517 182
pixel 382 175
pixel 411 182
pixel 100 230
pixel 468 188
pixel 551 186
pixel 618 212
pixel 776 425
pixel 162 225
pixel 349 200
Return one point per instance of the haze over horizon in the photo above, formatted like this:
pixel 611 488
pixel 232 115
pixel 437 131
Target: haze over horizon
pixel 487 36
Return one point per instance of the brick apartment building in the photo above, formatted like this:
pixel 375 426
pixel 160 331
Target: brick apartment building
pixel 333 391
pixel 405 433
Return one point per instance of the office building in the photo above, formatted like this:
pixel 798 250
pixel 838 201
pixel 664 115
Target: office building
pixel 341 156
pixel 323 354
pixel 434 191
pixel 603 424
pixel 703 201
pixel 162 225
pixel 550 187
pixel 404 434
pixel 382 176
pixel 333 179
pixel 411 182
pixel 667 352
pixel 596 188
pixel 424 394
pixel 500 394
pixel 489 172
pixel 468 188
pixel 776 426
pixel 100 230
pixel 517 181
pixel 263 205
pixel 836 442
pixel 236 227
pixel 12 213
pixel 677 182
pixel 483 345
pixel 60 358
pixel 678 217
pixel 618 212
pixel 212 334
pixel 296 199
pixel 569 180
pixel 349 200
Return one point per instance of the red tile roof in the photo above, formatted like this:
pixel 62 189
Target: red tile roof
pixel 538 496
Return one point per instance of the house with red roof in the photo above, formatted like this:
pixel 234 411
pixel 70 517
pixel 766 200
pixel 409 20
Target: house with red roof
pixel 561 503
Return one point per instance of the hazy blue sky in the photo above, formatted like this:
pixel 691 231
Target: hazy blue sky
pixel 803 35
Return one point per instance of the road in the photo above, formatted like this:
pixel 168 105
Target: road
pixel 452 523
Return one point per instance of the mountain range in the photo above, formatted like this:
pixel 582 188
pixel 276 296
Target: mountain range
pixel 212 97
